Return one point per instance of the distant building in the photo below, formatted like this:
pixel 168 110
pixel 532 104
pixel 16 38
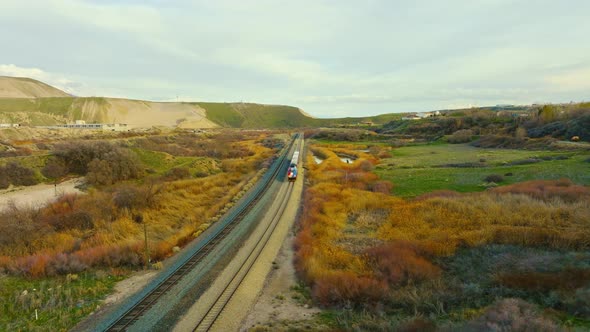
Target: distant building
pixel 411 117
pixel 9 125
pixel 81 124
pixel 421 115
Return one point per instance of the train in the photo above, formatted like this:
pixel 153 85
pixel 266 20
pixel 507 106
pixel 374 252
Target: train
pixel 292 170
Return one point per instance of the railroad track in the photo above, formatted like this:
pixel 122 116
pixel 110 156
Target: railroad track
pixel 240 272
pixel 135 311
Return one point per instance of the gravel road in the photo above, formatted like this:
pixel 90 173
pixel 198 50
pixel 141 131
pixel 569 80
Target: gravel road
pixel 37 195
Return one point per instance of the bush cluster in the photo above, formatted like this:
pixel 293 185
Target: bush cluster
pixel 103 163
pixel 357 248
pixel 17 175
pixel 461 136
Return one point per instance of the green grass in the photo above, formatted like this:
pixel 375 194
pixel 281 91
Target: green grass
pixel 60 302
pixel 439 154
pixel 273 116
pixel 34 162
pixel 473 273
pixel 162 162
pixel 223 114
pixel 412 169
pixel 247 115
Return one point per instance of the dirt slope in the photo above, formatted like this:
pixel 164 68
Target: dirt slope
pixel 29 102
pixel 135 113
pixel 138 113
pixel 20 87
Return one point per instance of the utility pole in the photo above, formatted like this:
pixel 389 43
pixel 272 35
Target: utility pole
pixel 147 248
pixel 138 218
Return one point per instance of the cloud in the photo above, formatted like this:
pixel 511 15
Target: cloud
pixel 56 80
pixel 329 57
pixel 577 79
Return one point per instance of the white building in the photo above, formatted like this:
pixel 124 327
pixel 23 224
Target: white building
pixel 81 124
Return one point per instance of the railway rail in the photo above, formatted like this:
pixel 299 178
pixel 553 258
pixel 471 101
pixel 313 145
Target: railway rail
pixel 135 309
pixel 206 322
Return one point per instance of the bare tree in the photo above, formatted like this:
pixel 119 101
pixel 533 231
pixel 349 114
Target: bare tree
pixel 55 169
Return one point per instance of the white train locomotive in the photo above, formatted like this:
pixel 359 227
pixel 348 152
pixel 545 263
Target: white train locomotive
pixel 292 170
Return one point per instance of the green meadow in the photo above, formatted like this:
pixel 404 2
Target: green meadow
pixel 161 162
pixel 418 169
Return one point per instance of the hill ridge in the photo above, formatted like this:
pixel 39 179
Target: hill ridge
pixel 24 87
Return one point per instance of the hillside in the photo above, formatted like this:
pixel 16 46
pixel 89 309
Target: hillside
pixel 21 87
pixel 248 115
pixel 136 113
pixel 500 127
pixel 30 102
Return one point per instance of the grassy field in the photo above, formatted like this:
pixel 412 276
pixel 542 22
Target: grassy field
pixel 161 162
pixel 60 302
pixel 415 170
pixel 247 115
pixel 222 114
pixel 512 257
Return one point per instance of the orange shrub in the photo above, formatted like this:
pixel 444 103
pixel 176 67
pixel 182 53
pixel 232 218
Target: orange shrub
pixel 438 193
pixel 348 288
pixel 161 251
pixel 563 189
pixel 37 265
pixel 399 263
pixel 356 241
pixel 569 279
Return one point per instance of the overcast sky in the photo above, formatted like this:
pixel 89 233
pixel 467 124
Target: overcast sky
pixel 332 58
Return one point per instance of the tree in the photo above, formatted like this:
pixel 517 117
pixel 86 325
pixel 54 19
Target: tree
pixel 520 132
pixel 99 172
pixel 128 198
pixel 548 113
pixel 55 169
pixel 19 175
pixel 4 182
pixel 116 165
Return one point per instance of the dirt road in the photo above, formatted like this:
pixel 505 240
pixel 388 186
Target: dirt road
pixel 38 195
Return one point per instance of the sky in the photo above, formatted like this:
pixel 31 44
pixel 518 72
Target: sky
pixel 331 58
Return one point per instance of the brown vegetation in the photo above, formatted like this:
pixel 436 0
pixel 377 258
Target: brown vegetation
pixel 17 175
pixel 358 246
pixel 101 229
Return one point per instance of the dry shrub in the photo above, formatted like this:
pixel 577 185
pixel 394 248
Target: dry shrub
pixel 79 232
pixel 335 223
pixel 342 288
pixel 579 302
pixel 511 315
pixel 496 178
pixel 568 238
pixel 461 136
pixel 17 175
pixel 563 189
pixel 568 279
pixel 400 263
pixel 178 173
pixel 444 224
pixel 417 325
pixel 36 265
pixel 112 256
pixel 438 193
pixel 62 264
pixel 383 187
pixel 161 251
